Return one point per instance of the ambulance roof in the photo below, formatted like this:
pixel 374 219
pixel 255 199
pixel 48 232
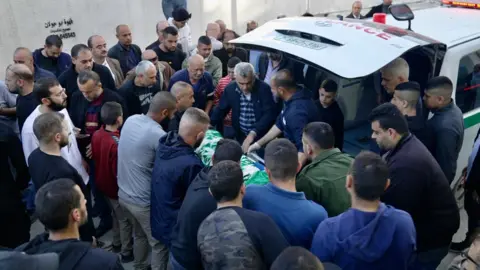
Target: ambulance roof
pixel 449 25
pixel 350 48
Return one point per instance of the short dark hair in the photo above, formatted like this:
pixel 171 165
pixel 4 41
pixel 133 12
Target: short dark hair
pixel 281 159
pixel 54 40
pixel 226 179
pixel 297 258
pixel 204 40
pixel 222 37
pixel 321 134
pixel 170 30
pixel 42 88
pixel 86 75
pixel 75 51
pixel 370 176
pixel 232 62
pixel 54 203
pixel 330 86
pixel 307 14
pixel 227 149
pixel 284 78
pixel 46 125
pixel 388 116
pixel 441 86
pixel 110 112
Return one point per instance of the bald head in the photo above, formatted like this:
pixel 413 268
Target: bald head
pixel 183 92
pixel 161 25
pixel 24 56
pixel 149 55
pixel 196 67
pixel 222 24
pixel 124 35
pixel 18 78
pixel 213 30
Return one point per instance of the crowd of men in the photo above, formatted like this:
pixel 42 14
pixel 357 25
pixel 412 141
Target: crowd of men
pixel 112 133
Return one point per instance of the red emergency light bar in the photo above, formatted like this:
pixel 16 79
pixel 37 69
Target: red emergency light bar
pixel 471 4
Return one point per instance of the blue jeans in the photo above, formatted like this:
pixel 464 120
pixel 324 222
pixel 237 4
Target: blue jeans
pixel 29 197
pixel 169 6
pixel 173 264
pixel 101 204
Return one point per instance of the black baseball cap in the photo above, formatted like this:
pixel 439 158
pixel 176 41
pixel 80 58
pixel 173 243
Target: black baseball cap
pixel 181 14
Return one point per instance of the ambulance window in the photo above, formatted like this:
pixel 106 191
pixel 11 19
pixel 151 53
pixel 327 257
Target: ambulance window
pixel 467 95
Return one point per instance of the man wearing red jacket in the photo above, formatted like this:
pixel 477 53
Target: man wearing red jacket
pixel 104 154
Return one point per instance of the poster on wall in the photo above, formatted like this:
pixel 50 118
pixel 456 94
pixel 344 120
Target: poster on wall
pixel 62 28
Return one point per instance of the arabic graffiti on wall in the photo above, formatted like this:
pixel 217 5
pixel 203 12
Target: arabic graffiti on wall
pixel 62 28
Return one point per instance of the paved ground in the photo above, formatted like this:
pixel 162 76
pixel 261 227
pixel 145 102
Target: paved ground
pixel 37 228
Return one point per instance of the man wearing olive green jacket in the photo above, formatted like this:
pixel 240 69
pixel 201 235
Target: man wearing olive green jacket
pixel 323 180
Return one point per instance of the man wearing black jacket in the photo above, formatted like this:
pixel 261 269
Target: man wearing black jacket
pixel 127 53
pixel 418 186
pixel 85 114
pixel 229 50
pixel 61 208
pixel 197 205
pixel 329 110
pixel 82 59
pixel 382 8
pixel 15 222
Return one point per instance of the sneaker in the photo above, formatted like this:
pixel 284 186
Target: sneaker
pixel 459 247
pixel 127 258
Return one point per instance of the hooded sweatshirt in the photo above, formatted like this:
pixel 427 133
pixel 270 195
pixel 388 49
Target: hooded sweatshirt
pixel 196 207
pixel 364 240
pixel 176 165
pixel 73 254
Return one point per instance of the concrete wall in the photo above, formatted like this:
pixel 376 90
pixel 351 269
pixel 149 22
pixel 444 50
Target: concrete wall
pixel 27 22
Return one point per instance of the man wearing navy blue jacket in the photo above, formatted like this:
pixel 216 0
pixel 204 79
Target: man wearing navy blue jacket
pixel 176 166
pixel 252 106
pixel 298 111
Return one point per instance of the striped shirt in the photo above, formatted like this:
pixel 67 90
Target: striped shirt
pixel 247 114
pixel 218 94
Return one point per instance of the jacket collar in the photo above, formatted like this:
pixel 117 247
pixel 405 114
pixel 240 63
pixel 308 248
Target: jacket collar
pixel 326 154
pixel 404 140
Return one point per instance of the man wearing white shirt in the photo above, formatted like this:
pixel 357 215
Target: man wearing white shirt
pixel 52 98
pixel 179 20
pixel 98 45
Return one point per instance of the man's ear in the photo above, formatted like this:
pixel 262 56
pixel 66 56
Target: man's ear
pixel 349 182
pixel 387 185
pixel 299 167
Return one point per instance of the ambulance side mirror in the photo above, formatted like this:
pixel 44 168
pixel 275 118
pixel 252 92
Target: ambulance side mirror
pixel 402 12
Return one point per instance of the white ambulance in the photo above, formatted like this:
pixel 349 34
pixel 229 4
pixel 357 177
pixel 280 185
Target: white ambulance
pixel 445 40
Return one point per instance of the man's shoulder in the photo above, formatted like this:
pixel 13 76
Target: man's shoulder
pixel 179 75
pixel 101 69
pixel 113 61
pixel 99 258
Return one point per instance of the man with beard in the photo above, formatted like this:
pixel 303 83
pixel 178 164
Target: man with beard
pixel 414 171
pixel 168 50
pixel 52 98
pixel 19 80
pixel 183 92
pixel 51 57
pixel 138 92
pixel 136 154
pixel 82 58
pixel 176 165
pixel 47 164
pixel 61 207
pixel 229 50
pixel 98 45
